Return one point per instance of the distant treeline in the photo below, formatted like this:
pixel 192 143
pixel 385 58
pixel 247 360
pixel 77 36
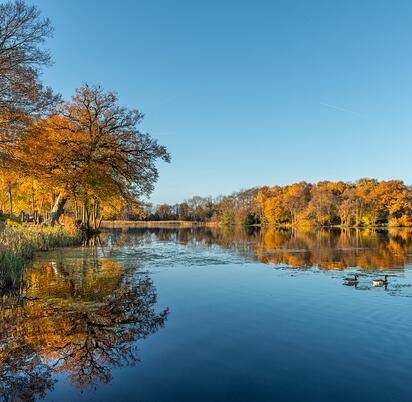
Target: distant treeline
pixel 367 202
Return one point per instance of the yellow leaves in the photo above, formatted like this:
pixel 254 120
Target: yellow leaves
pixel 403 221
pixel 90 154
pixel 270 202
pixel 274 211
pixel 366 202
pixel 261 198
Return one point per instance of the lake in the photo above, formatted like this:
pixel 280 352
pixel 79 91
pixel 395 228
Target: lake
pixel 209 314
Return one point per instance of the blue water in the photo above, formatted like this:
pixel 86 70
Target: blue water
pixel 235 328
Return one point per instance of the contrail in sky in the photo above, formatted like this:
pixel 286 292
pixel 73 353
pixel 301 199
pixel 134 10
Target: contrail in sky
pixel 341 109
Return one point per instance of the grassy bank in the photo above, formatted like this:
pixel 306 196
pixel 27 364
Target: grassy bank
pixel 185 224
pixel 19 243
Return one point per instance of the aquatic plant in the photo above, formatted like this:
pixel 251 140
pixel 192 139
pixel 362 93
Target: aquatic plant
pixel 18 244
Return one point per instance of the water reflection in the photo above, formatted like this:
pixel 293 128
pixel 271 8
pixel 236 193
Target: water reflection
pixel 77 315
pixel 324 249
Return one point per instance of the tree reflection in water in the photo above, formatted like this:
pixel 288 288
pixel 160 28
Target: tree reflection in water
pixel 328 249
pixel 79 317
pixel 82 315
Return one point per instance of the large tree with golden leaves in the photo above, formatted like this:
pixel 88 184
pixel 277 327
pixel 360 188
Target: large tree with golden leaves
pixel 92 149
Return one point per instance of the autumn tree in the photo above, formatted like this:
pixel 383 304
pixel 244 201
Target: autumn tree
pixel 347 206
pixel 296 200
pixel 271 202
pixel 322 207
pixel 393 202
pixel 9 183
pixel 246 210
pixel 363 201
pixel 22 34
pixel 225 207
pixel 92 151
pixel 367 202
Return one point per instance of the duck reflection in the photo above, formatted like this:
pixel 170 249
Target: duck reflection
pixel 80 317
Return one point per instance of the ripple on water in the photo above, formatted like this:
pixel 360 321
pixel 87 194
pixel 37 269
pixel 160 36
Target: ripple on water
pixel 169 254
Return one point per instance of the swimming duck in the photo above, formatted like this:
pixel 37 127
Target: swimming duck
pixel 351 281
pixel 380 282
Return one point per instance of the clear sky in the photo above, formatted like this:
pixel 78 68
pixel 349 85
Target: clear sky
pixel 248 93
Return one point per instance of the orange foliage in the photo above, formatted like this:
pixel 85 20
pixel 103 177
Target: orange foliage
pixel 364 203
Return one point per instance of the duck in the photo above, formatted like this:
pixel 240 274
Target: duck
pixel 380 282
pixel 351 281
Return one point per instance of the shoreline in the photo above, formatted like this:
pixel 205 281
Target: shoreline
pixel 19 245
pixel 176 223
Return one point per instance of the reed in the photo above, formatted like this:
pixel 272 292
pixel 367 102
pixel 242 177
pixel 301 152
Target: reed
pixel 19 243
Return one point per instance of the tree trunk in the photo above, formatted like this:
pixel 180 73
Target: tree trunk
pixel 58 209
pixel 32 198
pixel 94 216
pixel 83 214
pixel 41 209
pixel 10 202
pixel 76 209
pixel 95 210
pixel 87 216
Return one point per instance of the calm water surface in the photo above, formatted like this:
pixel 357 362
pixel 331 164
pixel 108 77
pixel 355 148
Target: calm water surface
pixel 213 315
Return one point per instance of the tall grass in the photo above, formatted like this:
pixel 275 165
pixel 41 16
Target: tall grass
pixel 19 243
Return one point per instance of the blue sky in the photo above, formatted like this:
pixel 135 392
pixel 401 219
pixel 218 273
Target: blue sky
pixel 249 93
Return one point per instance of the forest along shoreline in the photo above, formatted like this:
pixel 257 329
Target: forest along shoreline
pixel 363 203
